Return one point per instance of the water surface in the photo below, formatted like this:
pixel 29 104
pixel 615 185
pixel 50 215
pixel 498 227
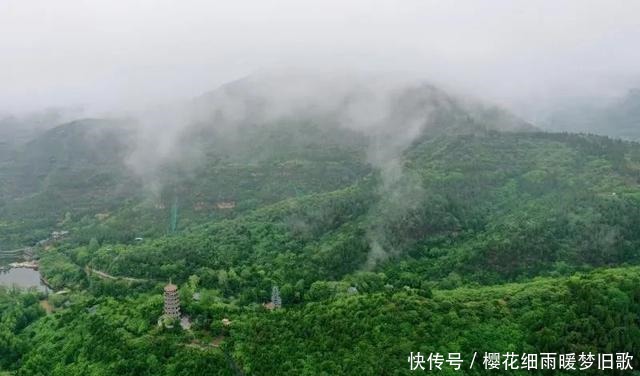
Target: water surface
pixel 22 278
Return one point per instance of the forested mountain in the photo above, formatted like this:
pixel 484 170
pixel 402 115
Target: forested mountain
pixel 235 146
pixel 74 168
pixel 391 218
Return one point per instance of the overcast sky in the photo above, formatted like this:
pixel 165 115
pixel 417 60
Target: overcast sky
pixel 117 54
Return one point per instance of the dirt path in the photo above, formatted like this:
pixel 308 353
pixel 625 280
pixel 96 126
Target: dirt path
pixel 48 308
pixel 102 274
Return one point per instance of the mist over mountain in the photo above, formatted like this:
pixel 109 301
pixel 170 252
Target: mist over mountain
pixel 83 166
pixel 615 117
pixel 319 187
pixel 381 201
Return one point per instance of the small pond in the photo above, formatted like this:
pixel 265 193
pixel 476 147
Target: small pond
pixel 22 278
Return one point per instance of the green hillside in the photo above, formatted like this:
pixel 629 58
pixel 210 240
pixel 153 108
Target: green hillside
pixel 373 333
pixel 469 210
pixel 370 332
pixel 476 233
pixel 481 208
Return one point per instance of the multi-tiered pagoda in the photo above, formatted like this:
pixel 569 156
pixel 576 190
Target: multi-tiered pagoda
pixel 171 301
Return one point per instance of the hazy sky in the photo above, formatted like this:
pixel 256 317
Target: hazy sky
pixel 114 54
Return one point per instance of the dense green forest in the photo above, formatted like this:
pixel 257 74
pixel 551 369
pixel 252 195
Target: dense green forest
pixel 478 234
pixel 334 332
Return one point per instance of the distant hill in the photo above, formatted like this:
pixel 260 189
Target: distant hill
pixel 75 168
pixel 252 142
pixel 619 118
pixel 363 103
